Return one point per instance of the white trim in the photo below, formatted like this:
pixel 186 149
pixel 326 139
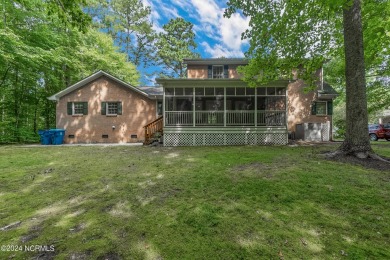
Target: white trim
pixel 107 109
pixel 91 78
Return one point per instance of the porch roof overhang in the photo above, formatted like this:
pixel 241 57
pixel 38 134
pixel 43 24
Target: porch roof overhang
pixel 326 96
pixel 214 83
pixel 327 92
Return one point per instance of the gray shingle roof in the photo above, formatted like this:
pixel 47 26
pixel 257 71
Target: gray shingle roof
pixel 328 89
pixel 151 90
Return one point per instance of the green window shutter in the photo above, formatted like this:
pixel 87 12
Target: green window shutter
pixel 314 108
pixel 330 107
pixel 104 104
pixel 70 110
pixel 226 71
pixel 210 71
pixel 85 108
pixel 119 108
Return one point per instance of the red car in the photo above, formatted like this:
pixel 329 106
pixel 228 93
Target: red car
pixel 379 131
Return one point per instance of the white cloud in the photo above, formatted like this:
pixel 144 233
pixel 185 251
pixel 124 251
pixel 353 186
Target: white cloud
pixel 218 51
pixel 226 31
pixel 208 11
pixel 154 14
pixel 183 4
pixel 207 16
pixel 231 30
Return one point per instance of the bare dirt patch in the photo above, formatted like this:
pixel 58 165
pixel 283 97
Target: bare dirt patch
pixel 77 228
pixel 47 255
pixel 109 256
pixel 255 169
pixel 33 233
pixel 368 163
pixel 80 256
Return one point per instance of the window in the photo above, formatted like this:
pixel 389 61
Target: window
pixel 77 108
pixel 322 108
pixel 218 72
pixel 111 108
pixel 159 108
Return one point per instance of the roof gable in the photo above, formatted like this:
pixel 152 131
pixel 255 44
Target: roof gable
pixel 91 78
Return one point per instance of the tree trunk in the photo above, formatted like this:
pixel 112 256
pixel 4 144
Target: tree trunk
pixel 356 141
pixel 16 106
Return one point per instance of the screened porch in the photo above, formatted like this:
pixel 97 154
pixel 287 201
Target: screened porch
pixel 224 106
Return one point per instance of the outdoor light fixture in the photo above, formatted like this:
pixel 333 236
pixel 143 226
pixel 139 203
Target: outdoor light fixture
pixel 113 127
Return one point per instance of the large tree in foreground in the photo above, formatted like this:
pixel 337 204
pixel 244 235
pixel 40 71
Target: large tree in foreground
pixel 288 34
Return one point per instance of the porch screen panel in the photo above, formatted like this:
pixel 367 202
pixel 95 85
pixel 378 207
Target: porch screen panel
pixel 240 107
pixel 271 106
pixel 209 105
pixel 178 107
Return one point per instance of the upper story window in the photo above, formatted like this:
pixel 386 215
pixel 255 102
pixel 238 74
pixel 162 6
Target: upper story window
pixel 77 108
pixel 218 71
pixel 322 108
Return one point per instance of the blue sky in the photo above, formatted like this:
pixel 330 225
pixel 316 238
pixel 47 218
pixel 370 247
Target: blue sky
pixel 216 36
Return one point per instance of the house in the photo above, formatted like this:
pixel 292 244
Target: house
pixel 212 106
pixel 103 109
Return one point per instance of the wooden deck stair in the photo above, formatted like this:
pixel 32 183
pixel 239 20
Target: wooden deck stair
pixel 152 128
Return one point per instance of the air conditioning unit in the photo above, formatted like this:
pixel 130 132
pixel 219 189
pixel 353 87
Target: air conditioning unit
pixel 319 132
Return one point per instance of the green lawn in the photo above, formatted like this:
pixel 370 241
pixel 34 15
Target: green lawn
pixel 248 202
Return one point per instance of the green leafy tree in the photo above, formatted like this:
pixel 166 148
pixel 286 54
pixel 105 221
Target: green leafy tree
pixel 288 34
pixel 39 56
pixel 176 43
pixel 128 22
pixel 69 12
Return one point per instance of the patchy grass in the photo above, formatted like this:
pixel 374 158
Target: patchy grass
pixel 192 203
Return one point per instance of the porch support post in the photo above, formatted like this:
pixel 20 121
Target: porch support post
pixel 224 106
pixel 164 116
pixel 193 107
pixel 286 109
pixel 255 106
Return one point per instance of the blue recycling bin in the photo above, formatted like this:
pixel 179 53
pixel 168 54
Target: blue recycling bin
pixel 57 136
pixel 46 136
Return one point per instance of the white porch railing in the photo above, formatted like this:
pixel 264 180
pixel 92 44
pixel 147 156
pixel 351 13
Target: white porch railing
pixel 240 117
pixel 178 118
pixel 233 118
pixel 271 118
pixel 209 118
